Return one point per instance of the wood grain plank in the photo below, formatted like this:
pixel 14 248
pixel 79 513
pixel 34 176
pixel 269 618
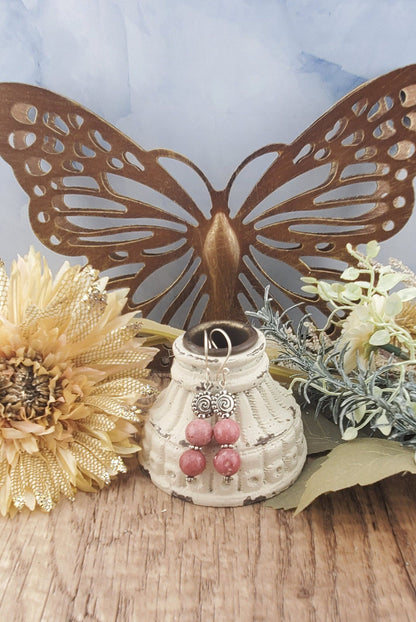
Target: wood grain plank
pixel 133 553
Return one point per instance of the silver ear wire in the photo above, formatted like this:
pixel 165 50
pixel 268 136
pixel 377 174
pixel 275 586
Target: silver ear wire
pixel 207 370
pixel 222 371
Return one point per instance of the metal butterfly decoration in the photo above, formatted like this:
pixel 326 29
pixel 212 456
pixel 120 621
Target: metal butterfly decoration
pixel 93 192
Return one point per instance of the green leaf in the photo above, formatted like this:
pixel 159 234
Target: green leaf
pixel 289 498
pixel 407 293
pixel 325 290
pixel 320 433
pixel 362 461
pixel 352 292
pixel 380 337
pixel 364 284
pixel 373 249
pixel 383 424
pixel 350 274
pixel 311 289
pixel 393 305
pixel 350 434
pixel 359 413
pixel 387 281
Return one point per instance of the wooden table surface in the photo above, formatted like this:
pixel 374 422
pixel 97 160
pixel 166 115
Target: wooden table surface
pixel 132 553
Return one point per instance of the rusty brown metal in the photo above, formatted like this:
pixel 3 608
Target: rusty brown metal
pixel 347 178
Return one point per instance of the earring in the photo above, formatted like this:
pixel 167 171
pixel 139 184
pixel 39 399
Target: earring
pixel 198 432
pixel 226 431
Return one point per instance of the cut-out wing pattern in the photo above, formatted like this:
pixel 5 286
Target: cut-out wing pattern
pixel 95 193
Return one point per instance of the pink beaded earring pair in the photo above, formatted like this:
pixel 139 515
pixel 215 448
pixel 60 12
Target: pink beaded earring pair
pixel 212 399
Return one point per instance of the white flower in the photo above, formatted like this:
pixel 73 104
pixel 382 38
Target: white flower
pixel 358 329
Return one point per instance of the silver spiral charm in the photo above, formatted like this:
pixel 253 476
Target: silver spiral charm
pixel 202 404
pixel 224 404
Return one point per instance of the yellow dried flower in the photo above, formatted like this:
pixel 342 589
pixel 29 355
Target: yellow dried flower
pixel 71 375
pixel 357 331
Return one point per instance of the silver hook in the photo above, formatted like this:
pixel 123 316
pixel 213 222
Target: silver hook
pixel 207 370
pixel 223 370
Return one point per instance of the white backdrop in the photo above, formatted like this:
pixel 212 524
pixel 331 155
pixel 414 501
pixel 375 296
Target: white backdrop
pixel 212 79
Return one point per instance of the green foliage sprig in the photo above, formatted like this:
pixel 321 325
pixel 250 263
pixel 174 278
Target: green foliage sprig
pixel 379 400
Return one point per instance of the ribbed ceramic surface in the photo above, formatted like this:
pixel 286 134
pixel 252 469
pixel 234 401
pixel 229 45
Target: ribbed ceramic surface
pixel 272 446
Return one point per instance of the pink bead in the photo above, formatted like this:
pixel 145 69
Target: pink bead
pixel 198 432
pixel 192 462
pixel 226 432
pixel 227 461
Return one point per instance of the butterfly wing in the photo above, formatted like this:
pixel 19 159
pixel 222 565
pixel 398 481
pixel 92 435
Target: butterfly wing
pixel 88 183
pixel 347 178
pixel 353 167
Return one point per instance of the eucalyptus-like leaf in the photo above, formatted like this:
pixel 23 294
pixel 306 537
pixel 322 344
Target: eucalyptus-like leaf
pixel 352 291
pixel 310 289
pixel 407 293
pixel 325 290
pixel 350 434
pixel 390 280
pixel 380 337
pixel 359 413
pixel 383 424
pixel 350 274
pixel 393 305
pixel 372 249
pixel 363 284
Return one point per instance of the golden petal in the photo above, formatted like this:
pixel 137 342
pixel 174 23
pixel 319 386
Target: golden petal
pixel 60 476
pixel 111 342
pixel 17 486
pixel 94 445
pixel 4 469
pixel 113 407
pixel 6 506
pixel 28 427
pixel 29 444
pixel 38 481
pixel 123 387
pixel 67 461
pixel 142 356
pixel 11 433
pixel 90 464
pixel 100 421
pixel 131 372
pixel 123 430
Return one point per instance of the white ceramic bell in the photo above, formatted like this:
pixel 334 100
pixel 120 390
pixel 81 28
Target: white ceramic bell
pixel 271 446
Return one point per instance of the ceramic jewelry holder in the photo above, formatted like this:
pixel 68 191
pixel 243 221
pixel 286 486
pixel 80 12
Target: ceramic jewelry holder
pixel 272 446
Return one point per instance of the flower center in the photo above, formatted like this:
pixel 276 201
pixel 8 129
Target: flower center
pixel 25 392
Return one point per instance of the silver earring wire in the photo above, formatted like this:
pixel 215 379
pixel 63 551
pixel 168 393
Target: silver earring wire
pixel 208 379
pixel 223 370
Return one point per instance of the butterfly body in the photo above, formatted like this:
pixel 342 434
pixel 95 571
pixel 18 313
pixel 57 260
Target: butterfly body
pixel 221 256
pixel 94 192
